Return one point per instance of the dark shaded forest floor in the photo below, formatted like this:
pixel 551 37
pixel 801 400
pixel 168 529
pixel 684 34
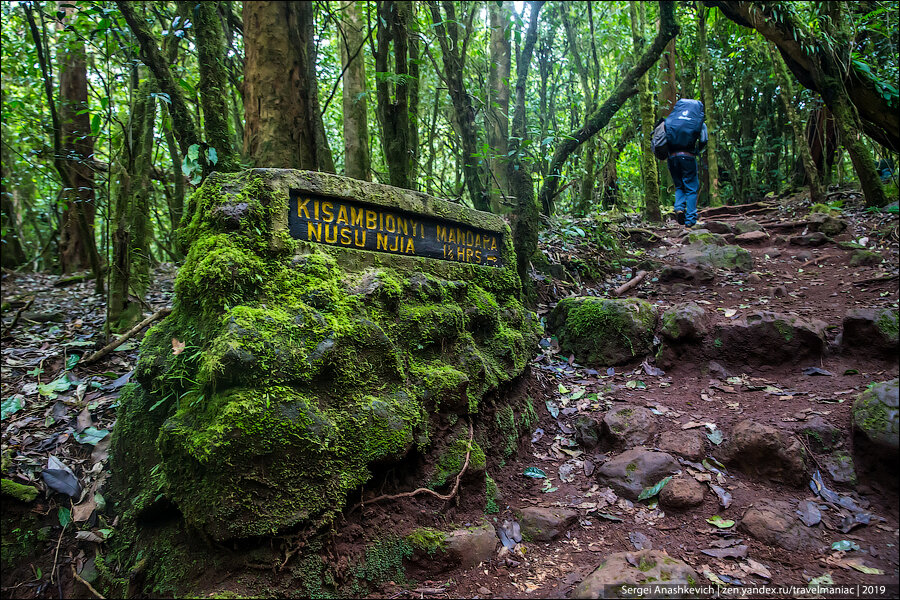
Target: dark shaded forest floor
pixel 65 413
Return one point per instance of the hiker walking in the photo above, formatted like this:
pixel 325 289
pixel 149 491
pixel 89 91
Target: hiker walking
pixel 684 128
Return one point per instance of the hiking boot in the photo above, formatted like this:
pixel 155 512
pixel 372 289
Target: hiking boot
pixel 679 217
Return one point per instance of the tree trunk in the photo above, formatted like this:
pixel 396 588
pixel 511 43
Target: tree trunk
pixel 394 112
pixel 526 218
pixel 12 253
pixel 709 102
pixel 645 106
pixel 129 275
pixel 453 52
pixel 283 125
pixel 668 76
pixel 498 99
pixel 357 163
pixel 77 245
pixel 816 191
pixel 213 87
pixel 668 29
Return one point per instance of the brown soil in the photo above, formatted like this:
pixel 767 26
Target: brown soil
pixel 818 286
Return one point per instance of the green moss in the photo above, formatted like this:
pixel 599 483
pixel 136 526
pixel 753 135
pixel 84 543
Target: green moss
pixel 785 329
pixel 665 576
pixel 22 493
pixel 631 468
pixel 888 324
pixel 384 561
pixel 491 495
pixel 450 462
pixel 645 564
pixel 505 418
pixel 823 209
pixel 718 343
pixel 427 539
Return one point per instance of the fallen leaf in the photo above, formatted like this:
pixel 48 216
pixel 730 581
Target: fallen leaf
pixel 83 421
pixel 733 552
pixel 649 492
pixel 82 512
pixel 756 568
pixel 177 347
pixel 844 546
pixel 719 522
pixel 724 496
pixel 88 536
pixel 863 568
pixel 692 425
pixel 534 473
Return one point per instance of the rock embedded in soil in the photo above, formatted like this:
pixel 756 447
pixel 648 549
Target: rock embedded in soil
pixel 587 431
pixel 712 256
pixel 839 465
pixel 545 524
pixel 871 331
pixel 690 444
pixel 764 452
pixel 682 322
pixel 865 258
pixel 700 274
pixel 821 436
pixel 471 546
pixel 629 426
pixel 719 227
pixel 765 337
pixel 875 414
pixel 682 492
pixel 633 470
pixel 653 569
pixel 752 237
pixel 827 224
pixel 602 331
pixel 308 365
pixel 816 238
pixel 775 523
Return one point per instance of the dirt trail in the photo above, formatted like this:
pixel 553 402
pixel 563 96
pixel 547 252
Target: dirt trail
pixel 813 282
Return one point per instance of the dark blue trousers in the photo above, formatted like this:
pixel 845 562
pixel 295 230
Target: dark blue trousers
pixel 687 185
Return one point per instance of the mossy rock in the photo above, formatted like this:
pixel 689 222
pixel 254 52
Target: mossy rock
pixel 876 414
pixel 747 226
pixel 713 256
pixel 683 322
pixel 17 491
pixel 306 365
pixel 871 331
pixel 864 258
pixel 603 331
pixel 705 237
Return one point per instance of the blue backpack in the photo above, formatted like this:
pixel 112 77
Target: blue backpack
pixel 684 125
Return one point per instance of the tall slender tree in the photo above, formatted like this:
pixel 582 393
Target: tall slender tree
pixel 357 163
pixel 709 102
pixel 645 106
pixel 500 14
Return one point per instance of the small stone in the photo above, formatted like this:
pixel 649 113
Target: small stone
pixel 682 492
pixel 839 465
pixel 633 470
pixel 690 444
pixel 775 523
pixel 871 331
pixel 472 546
pixel 751 237
pixel 630 426
pixel 542 524
pixel 754 278
pixel 816 238
pixel 685 321
pixel 779 291
pixel 864 258
pixel 765 452
pixel 587 431
pixel 803 256
pixel 483 591
pixel 772 252
pixel 876 414
pixel 821 436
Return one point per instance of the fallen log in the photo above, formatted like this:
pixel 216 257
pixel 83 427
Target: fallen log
pixel 125 336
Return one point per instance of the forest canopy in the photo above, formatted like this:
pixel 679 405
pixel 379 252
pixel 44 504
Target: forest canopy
pixel 113 112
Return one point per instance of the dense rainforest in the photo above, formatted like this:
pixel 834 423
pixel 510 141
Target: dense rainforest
pixel 116 114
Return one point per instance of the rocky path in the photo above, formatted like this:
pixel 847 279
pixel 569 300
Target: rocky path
pixel 716 446
pixel 699 429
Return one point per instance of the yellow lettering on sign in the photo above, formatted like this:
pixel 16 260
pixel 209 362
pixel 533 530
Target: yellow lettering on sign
pixel 356 216
pixel 346 238
pixel 441 233
pixel 342 215
pixel 371 219
pixel 327 215
pixel 330 234
pixel 478 256
pixel 381 242
pixel 314 232
pixel 402 225
pixel 359 243
pixel 316 209
pixel 390 223
pixel 301 208
pixel 410 247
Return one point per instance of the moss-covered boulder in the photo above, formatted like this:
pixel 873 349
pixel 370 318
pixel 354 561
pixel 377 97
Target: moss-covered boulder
pixel 643 573
pixel 289 369
pixel 766 337
pixel 604 331
pixel 683 322
pixel 876 414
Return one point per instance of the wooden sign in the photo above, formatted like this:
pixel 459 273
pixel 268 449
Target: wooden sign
pixel 365 226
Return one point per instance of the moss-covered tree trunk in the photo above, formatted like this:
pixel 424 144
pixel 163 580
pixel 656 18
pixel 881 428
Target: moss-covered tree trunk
pixel 816 191
pixel 283 124
pixel 498 98
pixel 12 253
pixel 129 276
pixel 645 106
pixel 586 189
pixel 709 102
pixel 357 163
pixel 214 86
